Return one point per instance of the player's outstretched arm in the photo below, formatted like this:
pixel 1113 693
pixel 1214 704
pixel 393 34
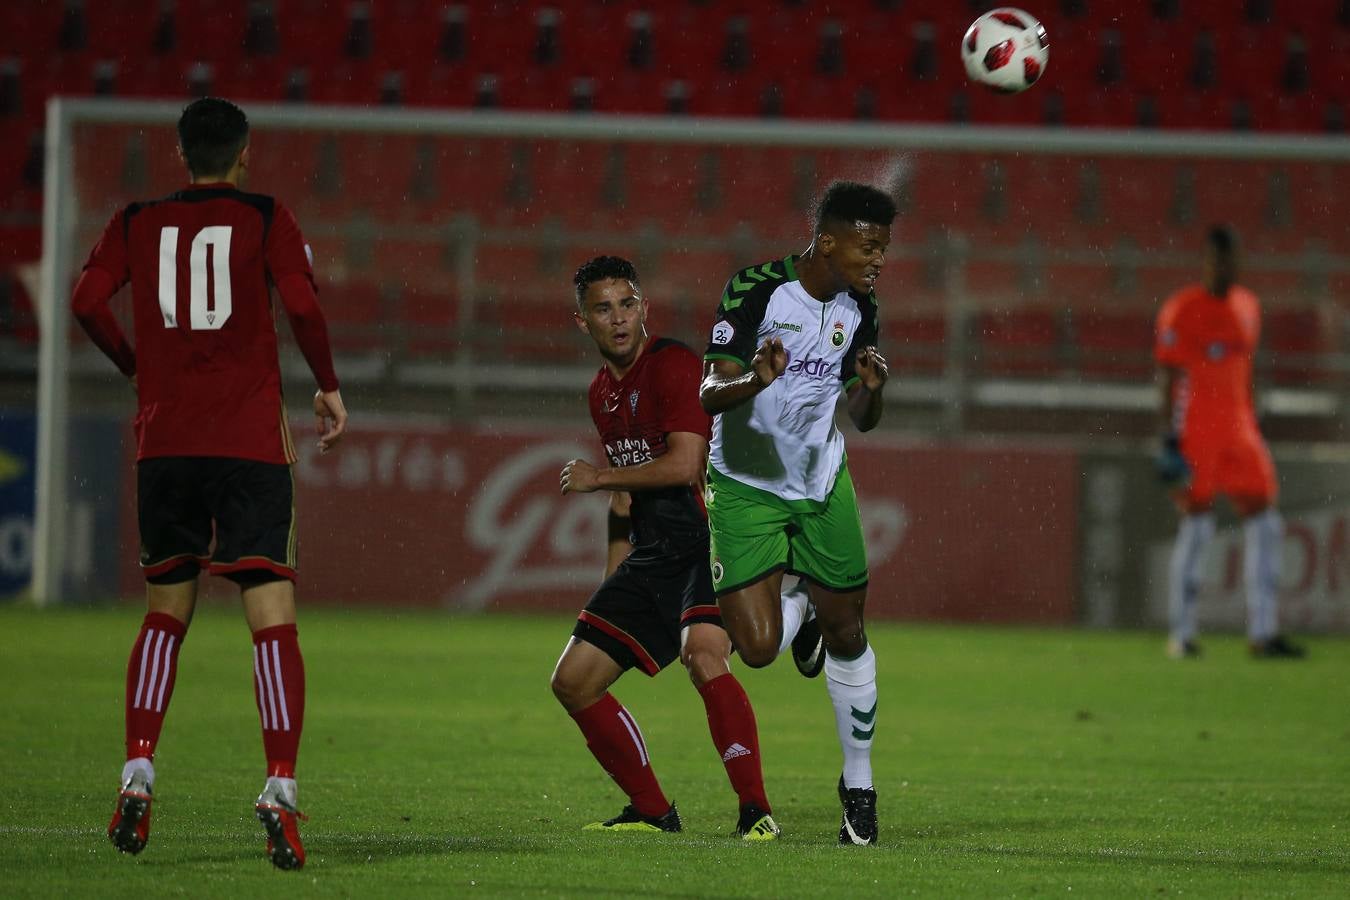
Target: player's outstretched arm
pixel 682 464
pixel 864 398
pixel 332 418
pixel 727 384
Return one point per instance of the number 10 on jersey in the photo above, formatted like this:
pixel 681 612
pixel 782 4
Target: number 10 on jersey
pixel 204 314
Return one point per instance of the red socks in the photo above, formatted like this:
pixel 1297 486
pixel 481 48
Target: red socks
pixel 151 670
pixel 279 685
pixel 731 722
pixel 614 739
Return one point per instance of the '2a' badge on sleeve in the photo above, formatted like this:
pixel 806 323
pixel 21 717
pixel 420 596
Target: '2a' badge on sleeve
pixel 723 332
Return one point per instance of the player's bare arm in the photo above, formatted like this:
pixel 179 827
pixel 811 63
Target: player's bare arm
pixel 619 530
pixel 864 397
pixel 681 464
pixel 331 418
pixel 727 384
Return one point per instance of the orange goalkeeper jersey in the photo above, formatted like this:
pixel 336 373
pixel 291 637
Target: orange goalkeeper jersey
pixel 1212 341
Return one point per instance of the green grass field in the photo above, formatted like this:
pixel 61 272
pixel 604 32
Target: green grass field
pixel 436 762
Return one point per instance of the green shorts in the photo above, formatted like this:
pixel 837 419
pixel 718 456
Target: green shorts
pixel 755 533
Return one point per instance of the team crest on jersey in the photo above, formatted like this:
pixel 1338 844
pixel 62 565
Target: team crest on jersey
pixel 717 571
pixel 1216 351
pixel 632 403
pixel 837 336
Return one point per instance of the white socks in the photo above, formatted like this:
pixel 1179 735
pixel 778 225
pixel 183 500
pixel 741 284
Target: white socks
pixel 1263 539
pixel 794 612
pixel 852 684
pixel 1183 576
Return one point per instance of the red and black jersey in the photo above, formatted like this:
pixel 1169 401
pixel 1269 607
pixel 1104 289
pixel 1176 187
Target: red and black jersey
pixel 201 263
pixel 634 415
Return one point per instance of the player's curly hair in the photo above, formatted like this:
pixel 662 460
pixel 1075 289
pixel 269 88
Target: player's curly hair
pixel 849 201
pixel 601 268
pixel 211 132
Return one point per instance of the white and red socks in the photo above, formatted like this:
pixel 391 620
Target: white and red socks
pixel 279 687
pixel 613 738
pixel 852 684
pixel 151 671
pixel 731 721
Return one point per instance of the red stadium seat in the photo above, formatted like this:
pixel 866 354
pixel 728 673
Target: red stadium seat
pixel 355 311
pixel 430 318
pixel 1017 342
pixel 914 343
pixel 1294 340
pixel 1113 345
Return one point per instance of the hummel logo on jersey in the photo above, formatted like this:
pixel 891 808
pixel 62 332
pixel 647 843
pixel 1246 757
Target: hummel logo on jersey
pixel 814 367
pixel 788 326
pixel 734 751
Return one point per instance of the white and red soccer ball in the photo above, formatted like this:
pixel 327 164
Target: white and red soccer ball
pixel 1005 50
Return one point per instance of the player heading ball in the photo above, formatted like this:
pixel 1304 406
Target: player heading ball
pixel 789 337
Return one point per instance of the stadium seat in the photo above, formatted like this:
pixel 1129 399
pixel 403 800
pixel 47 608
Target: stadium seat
pixel 1113 345
pixel 1017 342
pixel 1294 340
pixel 356 312
pixel 914 343
pixel 429 318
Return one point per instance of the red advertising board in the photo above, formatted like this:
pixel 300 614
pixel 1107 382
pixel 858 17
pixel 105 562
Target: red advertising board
pixel 410 514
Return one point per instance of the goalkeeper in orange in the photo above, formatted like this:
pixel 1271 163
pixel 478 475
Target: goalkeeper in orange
pixel 1207 335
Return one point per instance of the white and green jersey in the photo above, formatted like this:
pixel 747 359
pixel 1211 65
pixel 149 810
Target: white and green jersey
pixel 784 441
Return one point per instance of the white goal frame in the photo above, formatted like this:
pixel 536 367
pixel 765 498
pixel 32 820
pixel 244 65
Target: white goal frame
pixel 59 255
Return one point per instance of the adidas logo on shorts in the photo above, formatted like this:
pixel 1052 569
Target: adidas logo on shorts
pixel 734 751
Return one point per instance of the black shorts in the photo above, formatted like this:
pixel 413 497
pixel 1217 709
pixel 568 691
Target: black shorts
pixel 248 506
pixel 637 613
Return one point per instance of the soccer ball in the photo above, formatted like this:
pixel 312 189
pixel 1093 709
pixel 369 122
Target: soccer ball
pixel 1005 50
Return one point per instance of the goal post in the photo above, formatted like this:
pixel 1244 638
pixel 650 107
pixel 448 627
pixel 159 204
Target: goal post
pixel 445 242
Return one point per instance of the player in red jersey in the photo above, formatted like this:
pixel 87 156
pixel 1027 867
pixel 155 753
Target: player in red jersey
pixel 214 450
pixel 1206 337
pixel 657 601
